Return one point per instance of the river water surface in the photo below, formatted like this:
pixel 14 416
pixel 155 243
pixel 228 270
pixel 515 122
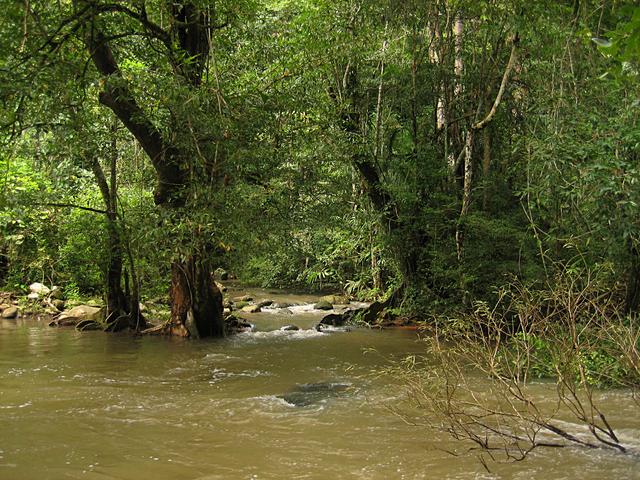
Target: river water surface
pixel 98 406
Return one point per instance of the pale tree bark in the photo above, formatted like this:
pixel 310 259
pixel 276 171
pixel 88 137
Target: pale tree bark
pixel 435 57
pixel 379 146
pixel 458 31
pixel 479 125
pixel 486 165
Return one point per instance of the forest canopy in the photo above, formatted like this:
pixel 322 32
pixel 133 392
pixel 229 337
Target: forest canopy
pixel 421 153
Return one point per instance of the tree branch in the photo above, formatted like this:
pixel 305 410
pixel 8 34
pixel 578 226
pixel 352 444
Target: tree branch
pixel 503 84
pixel 71 205
pixel 118 98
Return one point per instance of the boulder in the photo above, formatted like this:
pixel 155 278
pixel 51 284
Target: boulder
pixel 4 306
pixel 233 324
pixel 336 299
pixel 251 309
pixel 290 328
pixel 33 296
pixel 265 303
pixel 240 305
pixel 323 305
pixel 340 319
pixel 77 314
pixel 10 312
pixel 334 319
pixel 312 393
pixel 40 289
pixel 282 305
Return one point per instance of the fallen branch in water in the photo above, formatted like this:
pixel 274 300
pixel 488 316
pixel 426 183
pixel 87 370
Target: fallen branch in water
pixel 476 380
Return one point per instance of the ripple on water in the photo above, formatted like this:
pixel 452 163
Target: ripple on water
pixel 168 402
pixel 210 357
pixel 219 374
pixel 278 335
pixel 276 407
pixel 11 407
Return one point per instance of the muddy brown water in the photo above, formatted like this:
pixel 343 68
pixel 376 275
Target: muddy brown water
pixel 97 406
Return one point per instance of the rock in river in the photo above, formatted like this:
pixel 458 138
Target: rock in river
pixel 333 319
pixel 251 309
pixel 78 314
pixel 10 312
pixel 282 305
pixel 323 305
pixel 290 328
pixel 312 393
pixel 235 325
pixel 336 299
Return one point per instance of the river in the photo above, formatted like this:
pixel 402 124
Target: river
pixel 100 406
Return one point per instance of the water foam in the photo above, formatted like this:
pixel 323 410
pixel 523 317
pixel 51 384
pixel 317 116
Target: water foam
pixel 280 334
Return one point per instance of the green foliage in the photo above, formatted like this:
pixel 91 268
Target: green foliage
pixel 81 259
pixel 623 42
pixel 294 99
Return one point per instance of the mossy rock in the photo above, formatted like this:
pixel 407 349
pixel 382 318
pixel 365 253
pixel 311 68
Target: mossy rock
pixel 323 305
pixel 251 309
pixel 10 312
pixel 336 299
pixel 79 314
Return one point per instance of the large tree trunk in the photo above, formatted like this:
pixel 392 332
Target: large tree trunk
pixel 196 301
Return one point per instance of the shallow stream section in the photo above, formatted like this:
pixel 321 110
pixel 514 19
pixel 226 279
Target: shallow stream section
pixel 270 404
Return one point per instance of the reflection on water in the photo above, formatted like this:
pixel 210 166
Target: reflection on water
pixel 97 406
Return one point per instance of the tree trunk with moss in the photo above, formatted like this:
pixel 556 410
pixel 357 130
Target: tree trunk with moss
pixel 196 301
